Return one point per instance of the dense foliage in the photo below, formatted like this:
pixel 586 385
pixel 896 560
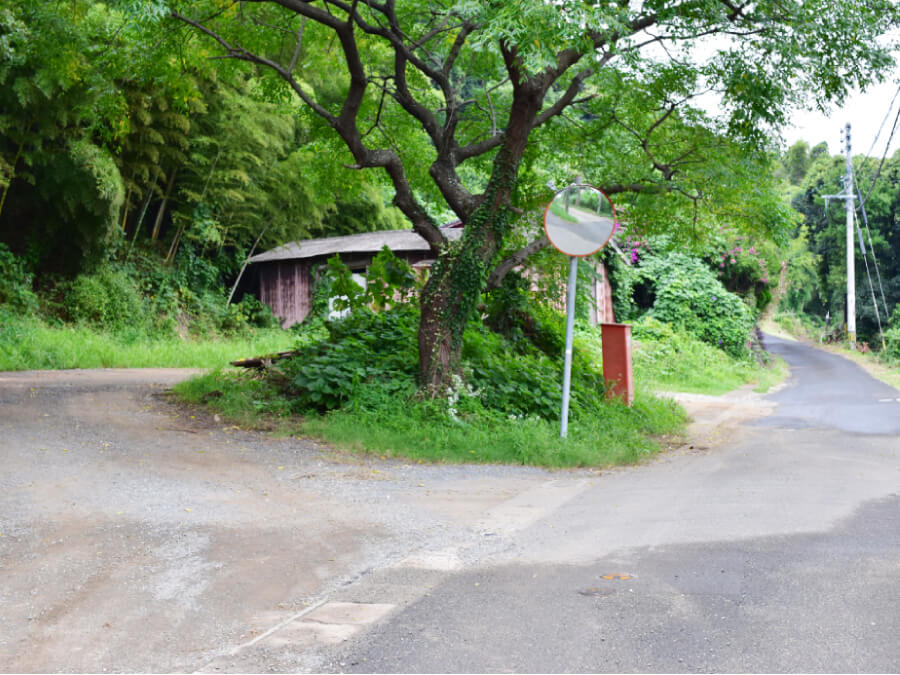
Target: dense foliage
pixel 118 134
pixel 460 104
pixel 685 292
pixel 359 372
pixel 817 262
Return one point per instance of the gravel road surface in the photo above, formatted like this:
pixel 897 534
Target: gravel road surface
pixel 139 536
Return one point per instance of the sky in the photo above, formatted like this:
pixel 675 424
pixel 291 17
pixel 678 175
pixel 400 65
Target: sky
pixel 864 111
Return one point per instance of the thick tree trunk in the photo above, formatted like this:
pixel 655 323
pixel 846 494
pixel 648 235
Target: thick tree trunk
pixel 460 274
pixel 454 288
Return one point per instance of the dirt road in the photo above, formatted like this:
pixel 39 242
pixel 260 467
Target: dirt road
pixel 135 535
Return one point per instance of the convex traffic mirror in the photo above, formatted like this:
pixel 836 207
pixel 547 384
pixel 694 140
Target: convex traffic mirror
pixel 580 220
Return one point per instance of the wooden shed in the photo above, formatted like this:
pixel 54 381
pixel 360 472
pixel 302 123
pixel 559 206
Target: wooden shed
pixel 286 274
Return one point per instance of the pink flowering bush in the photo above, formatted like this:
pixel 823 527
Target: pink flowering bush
pixel 743 270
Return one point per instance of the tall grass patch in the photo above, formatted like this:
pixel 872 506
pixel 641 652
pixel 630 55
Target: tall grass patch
pixel 354 385
pixel 27 343
pixel 666 359
pixel 428 431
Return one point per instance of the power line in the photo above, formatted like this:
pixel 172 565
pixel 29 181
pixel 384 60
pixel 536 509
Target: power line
pixel 871 288
pixel 862 200
pixel 872 249
pixel 883 157
pixel 880 129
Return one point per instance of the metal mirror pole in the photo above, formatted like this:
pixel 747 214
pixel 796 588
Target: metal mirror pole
pixel 570 329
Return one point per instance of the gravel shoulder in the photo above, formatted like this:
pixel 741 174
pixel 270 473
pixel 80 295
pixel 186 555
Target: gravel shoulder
pixel 136 535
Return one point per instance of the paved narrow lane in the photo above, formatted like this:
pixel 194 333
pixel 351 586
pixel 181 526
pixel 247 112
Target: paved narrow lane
pixel 831 392
pixel 778 550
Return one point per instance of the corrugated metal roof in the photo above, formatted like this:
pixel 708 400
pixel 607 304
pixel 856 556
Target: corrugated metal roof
pixel 367 242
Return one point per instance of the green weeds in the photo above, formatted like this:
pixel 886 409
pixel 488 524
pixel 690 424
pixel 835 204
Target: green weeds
pixel 429 431
pixel 355 387
pixel 670 360
pixel 27 343
pixel 386 422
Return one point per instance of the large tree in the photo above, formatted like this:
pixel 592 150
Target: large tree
pixel 449 96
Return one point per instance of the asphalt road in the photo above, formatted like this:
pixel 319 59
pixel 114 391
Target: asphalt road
pixel 778 551
pixel 139 536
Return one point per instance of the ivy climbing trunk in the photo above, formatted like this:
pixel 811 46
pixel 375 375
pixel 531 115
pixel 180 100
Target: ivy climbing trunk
pixel 460 273
pixel 451 295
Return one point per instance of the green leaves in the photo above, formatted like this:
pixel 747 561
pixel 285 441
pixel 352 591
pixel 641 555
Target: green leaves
pixel 389 282
pixel 361 349
pixel 689 295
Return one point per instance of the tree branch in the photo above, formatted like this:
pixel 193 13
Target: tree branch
pixel 293 63
pixel 239 53
pixel 345 123
pixel 566 99
pixel 503 268
pixel 458 43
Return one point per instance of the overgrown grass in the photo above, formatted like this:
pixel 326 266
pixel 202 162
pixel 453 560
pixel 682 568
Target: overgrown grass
pixel 668 360
pixel 27 343
pixel 353 384
pixel 386 423
pixel 242 397
pixel 378 412
pixel 618 436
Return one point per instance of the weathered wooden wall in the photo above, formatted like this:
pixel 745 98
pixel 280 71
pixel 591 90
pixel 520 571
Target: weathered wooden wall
pixel 286 287
pixel 602 308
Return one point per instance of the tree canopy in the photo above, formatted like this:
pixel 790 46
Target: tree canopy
pixel 114 122
pixel 462 104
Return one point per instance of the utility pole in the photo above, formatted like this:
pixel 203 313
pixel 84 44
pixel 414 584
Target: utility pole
pixel 851 258
pixel 849 197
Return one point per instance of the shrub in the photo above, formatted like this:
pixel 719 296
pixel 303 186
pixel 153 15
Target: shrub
pixel 531 383
pixel 109 300
pixel 689 295
pixel 389 282
pixel 892 335
pixel 15 284
pixel 341 359
pixel 666 359
pixel 364 347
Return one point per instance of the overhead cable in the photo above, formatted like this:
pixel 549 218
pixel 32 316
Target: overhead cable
pixel 883 157
pixel 871 288
pixel 880 129
pixel 872 249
